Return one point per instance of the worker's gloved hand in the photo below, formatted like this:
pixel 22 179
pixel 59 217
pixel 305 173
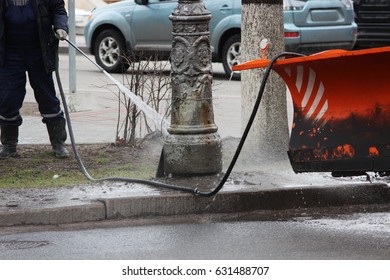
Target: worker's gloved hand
pixel 61 34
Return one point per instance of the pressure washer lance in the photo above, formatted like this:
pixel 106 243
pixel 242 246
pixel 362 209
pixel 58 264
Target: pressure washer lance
pixel 154 183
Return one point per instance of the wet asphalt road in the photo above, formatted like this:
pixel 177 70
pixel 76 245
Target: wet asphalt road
pixel 363 236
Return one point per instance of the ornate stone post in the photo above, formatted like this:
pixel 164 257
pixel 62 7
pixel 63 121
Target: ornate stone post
pixel 193 145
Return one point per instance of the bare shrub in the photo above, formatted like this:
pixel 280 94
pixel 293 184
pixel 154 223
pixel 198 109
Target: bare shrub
pixel 148 79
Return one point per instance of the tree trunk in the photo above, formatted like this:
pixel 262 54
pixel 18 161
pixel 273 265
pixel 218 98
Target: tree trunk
pixel 268 138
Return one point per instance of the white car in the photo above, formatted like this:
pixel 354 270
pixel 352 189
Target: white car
pixel 83 9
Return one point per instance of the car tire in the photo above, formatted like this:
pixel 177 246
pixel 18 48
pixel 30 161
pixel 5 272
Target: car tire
pixel 109 50
pixel 231 52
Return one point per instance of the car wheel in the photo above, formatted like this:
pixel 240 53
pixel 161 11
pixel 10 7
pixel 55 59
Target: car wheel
pixel 109 51
pixel 231 52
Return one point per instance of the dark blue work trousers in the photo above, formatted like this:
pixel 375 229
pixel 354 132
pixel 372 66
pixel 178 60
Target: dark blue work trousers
pixel 18 61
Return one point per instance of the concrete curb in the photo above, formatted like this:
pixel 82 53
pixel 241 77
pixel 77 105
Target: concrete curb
pixel 241 201
pixel 53 216
pixel 185 204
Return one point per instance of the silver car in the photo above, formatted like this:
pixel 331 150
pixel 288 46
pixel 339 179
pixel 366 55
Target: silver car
pixel 316 25
pixel 135 27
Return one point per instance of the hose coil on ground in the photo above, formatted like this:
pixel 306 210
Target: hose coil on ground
pixel 195 191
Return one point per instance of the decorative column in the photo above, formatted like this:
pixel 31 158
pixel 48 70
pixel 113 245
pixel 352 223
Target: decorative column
pixel 193 146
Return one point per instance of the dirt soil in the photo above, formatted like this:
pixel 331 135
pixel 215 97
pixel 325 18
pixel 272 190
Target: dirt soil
pixel 134 161
pixel 94 156
pixel 91 155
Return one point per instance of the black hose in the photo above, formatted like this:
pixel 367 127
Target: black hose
pixel 248 125
pixel 154 183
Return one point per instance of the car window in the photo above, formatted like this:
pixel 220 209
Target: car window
pixel 156 32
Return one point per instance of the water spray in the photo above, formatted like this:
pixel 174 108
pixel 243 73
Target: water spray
pixel 161 123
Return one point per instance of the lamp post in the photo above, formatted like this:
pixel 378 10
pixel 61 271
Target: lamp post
pixel 193 146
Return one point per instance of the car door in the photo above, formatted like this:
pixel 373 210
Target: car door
pixel 151 25
pixel 219 9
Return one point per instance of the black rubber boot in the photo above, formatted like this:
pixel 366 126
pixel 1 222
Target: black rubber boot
pixel 57 135
pixel 9 139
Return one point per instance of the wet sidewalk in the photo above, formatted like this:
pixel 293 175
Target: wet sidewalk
pixel 116 200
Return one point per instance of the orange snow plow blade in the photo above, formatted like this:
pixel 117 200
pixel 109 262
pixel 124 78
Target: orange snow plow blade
pixel 341 104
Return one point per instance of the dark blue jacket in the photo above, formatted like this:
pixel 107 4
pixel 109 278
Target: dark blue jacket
pixel 50 14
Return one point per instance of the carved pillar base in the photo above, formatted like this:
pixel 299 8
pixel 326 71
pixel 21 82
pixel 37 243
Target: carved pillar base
pixel 193 154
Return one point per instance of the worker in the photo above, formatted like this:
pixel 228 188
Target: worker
pixel 30 31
